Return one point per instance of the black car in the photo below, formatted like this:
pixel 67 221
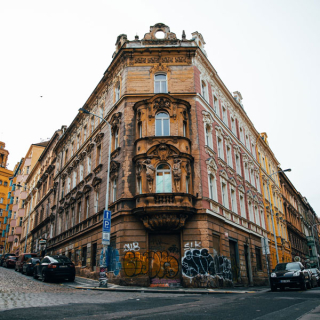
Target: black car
pixel 54 267
pixel 28 267
pixel 292 274
pixel 10 262
pixel 4 257
pixel 316 275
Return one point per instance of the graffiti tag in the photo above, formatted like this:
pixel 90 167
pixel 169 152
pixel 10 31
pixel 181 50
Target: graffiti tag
pixel 131 247
pixel 192 245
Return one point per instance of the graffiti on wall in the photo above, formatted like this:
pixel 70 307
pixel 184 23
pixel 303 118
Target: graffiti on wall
pixel 112 260
pixel 134 246
pixel 197 262
pixel 158 264
pixel 192 245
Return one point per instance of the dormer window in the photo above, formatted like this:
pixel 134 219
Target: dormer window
pixel 162 124
pixel 160 83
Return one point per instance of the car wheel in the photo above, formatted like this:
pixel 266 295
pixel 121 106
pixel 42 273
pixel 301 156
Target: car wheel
pixel 35 275
pixel 273 288
pixel 71 279
pixel 303 285
pixel 44 277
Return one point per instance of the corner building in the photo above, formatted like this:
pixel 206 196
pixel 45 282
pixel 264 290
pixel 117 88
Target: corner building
pixel 185 192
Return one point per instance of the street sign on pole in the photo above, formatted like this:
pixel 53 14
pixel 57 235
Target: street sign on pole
pixel 106 227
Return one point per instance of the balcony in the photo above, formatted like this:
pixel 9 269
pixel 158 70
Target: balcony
pixel 18 230
pixel 164 211
pixel 10 238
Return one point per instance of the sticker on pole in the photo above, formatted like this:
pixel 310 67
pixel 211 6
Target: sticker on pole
pixel 106 227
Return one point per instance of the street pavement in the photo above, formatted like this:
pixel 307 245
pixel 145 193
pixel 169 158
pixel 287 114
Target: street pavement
pixel 22 297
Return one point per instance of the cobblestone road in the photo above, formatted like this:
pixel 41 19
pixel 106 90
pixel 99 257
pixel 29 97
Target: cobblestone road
pixel 20 291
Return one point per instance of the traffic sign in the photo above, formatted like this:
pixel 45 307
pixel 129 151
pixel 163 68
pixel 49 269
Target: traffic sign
pixel 106 226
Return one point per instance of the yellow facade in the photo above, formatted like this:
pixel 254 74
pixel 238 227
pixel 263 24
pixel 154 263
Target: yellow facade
pixel 5 174
pixel 271 191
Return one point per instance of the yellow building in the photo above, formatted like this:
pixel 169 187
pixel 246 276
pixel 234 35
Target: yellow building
pixel 5 174
pixel 274 214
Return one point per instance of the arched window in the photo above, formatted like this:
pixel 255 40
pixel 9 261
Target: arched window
pixel 204 90
pixel 212 187
pixel 162 124
pixel 163 182
pixel 160 83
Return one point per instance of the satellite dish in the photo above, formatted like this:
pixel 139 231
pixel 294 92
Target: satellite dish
pixel 297 259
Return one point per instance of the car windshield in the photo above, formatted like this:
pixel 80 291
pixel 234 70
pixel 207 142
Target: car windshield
pixel 27 256
pixel 12 258
pixel 60 259
pixel 314 271
pixel 287 266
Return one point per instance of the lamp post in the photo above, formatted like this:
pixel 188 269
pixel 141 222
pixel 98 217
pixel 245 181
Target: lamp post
pixel 273 226
pixel 30 208
pixel 82 110
pixel 314 241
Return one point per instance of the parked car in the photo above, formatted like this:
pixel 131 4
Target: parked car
pixel 28 267
pixel 315 275
pixel 22 260
pixel 54 267
pixel 10 262
pixel 292 274
pixel 4 257
pixel 313 279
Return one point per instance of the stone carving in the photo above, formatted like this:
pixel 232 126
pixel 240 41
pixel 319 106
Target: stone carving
pixel 212 166
pixel 207 119
pixel 153 60
pixel 164 221
pixel 150 171
pixel 98 138
pixel 160 67
pixel 161 103
pixel 151 36
pixel 115 121
pixel 180 59
pixel 89 148
pixel 167 60
pixel 114 168
pixel 140 60
pixel 176 170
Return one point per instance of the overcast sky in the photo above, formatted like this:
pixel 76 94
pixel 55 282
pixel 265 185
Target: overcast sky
pixel 267 50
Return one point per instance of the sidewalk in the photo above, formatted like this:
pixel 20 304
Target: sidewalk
pixel 88 284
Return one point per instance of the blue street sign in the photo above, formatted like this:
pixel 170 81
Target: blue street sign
pixel 106 226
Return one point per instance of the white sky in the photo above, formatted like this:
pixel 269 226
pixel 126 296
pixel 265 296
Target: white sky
pixel 267 50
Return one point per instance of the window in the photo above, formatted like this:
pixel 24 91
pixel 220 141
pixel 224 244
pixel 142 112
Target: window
pixel 258 183
pixel 233 201
pixel 92 124
pixel 87 207
pixel 216 244
pixel 72 217
pixel 14 215
pixel 208 137
pixel 20 222
pixel 252 177
pixel 114 190
pixel 118 91
pixel 66 156
pixel 74 179
pixel 160 83
pixel 62 190
pixel 72 148
pixel 241 135
pixel 28 168
pixel 116 139
pixel 78 141
pixel 253 151
pixel 229 157
pixel 0 182
pixel 1 211
pixel 216 105
pixel 140 129
pixel 238 164
pixel 247 142
pixel 69 184
pixel 67 220
pixel 204 90
pixel 233 126
pixel 256 213
pixel 246 172
pixel 98 155
pixel 212 187
pixel 187 184
pixel 220 147
pixel 85 133
pixel 22 204
pixel 242 207
pixel 184 129
pixel 224 115
pixel 101 111
pixel 162 124
pixel 12 231
pixel 1 200
pixel 96 205
pixel 84 256
pixel 81 172
pixel 139 186
pixel 79 212
pixel 163 180
pixel 250 211
pixel 258 258
pixel 89 164
pixel 224 194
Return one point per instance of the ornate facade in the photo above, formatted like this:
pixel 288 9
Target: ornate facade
pixel 185 193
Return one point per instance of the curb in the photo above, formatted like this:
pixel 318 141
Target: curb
pixel 208 291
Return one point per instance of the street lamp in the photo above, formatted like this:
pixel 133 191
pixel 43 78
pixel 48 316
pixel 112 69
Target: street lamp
pixel 273 227
pixel 30 208
pixel 82 110
pixel 314 241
